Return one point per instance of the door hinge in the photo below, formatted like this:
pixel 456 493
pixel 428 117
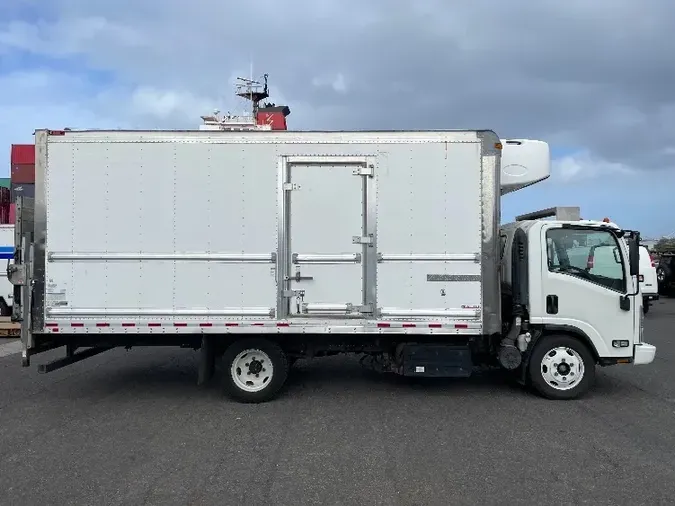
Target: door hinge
pixel 291 186
pixel 364 171
pixel 369 240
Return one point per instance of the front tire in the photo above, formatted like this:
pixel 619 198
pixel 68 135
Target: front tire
pixel 561 367
pixel 254 370
pixel 645 305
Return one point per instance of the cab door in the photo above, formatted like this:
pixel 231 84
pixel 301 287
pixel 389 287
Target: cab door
pixel 584 277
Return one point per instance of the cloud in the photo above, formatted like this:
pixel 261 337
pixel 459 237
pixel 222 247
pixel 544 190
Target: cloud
pixel 596 76
pixel 583 166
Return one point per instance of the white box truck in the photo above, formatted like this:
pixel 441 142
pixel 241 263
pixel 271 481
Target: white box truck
pixel 260 248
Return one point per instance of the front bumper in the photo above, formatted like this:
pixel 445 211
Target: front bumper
pixel 644 354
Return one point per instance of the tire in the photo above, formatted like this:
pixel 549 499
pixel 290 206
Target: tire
pixel 541 371
pixel 645 306
pixel 260 383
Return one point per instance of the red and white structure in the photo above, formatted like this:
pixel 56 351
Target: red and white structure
pixel 267 116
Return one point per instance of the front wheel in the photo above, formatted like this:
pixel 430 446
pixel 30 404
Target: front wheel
pixel 561 367
pixel 645 305
pixel 254 370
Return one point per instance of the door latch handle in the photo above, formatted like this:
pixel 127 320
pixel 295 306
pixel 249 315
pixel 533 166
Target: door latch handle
pixel 298 277
pixel 552 304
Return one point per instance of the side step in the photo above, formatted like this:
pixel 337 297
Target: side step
pixel 437 361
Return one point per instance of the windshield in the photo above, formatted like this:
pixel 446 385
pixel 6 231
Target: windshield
pixel 589 254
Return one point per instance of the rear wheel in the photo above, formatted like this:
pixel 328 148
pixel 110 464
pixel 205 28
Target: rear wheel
pixel 561 367
pixel 254 370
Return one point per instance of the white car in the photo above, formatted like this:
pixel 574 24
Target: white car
pixel 648 282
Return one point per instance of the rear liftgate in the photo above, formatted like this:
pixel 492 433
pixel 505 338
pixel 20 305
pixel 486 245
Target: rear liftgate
pixel 20 274
pixel 28 277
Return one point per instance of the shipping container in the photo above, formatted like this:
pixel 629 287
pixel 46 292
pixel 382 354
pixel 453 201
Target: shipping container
pixel 23 173
pixel 22 190
pixel 12 213
pixel 22 154
pixel 4 182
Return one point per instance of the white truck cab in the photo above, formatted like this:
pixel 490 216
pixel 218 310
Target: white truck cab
pixel 575 278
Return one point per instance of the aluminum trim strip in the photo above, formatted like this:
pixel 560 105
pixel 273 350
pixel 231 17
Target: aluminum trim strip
pixel 187 257
pixel 424 313
pixel 340 258
pixel 325 308
pixel 131 312
pixel 429 257
pixel 327 160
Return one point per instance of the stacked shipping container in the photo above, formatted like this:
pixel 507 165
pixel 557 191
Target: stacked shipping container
pixel 23 170
pixel 21 180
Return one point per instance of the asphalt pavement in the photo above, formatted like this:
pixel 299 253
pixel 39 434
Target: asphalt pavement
pixel 133 428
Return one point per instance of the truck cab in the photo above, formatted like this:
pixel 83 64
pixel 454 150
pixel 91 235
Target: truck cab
pixel 571 295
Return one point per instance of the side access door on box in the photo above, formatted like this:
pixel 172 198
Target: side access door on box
pixel 327 237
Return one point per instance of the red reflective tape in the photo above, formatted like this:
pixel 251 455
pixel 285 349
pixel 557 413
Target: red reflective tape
pixel 283 324
pixel 51 324
pixel 435 325
pixel 180 324
pixel 206 324
pixel 128 324
pixel 258 324
pixel 154 324
pixel 383 325
pixel 77 324
pixel 409 325
pixel 55 329
pixel 461 326
pixel 230 324
pixel 103 325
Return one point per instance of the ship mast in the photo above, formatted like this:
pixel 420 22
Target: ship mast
pixel 253 91
pixel 268 117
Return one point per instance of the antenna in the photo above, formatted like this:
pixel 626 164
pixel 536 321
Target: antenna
pixel 254 91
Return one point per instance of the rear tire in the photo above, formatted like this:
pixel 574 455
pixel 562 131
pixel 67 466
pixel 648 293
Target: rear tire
pixel 561 367
pixel 254 370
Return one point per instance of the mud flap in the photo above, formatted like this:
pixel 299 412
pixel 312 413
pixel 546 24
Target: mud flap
pixel 207 360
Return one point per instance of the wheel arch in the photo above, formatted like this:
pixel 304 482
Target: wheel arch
pixel 572 332
pixel 549 330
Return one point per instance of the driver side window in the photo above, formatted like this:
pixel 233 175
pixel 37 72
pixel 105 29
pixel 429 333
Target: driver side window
pixel 588 254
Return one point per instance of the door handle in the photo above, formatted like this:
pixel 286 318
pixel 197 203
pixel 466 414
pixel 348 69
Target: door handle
pixel 298 277
pixel 552 304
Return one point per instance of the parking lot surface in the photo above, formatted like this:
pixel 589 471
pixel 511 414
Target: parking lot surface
pixel 133 428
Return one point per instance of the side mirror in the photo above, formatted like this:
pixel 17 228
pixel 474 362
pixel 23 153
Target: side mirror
pixel 633 256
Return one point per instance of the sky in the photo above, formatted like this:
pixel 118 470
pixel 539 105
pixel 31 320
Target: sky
pixel 596 80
